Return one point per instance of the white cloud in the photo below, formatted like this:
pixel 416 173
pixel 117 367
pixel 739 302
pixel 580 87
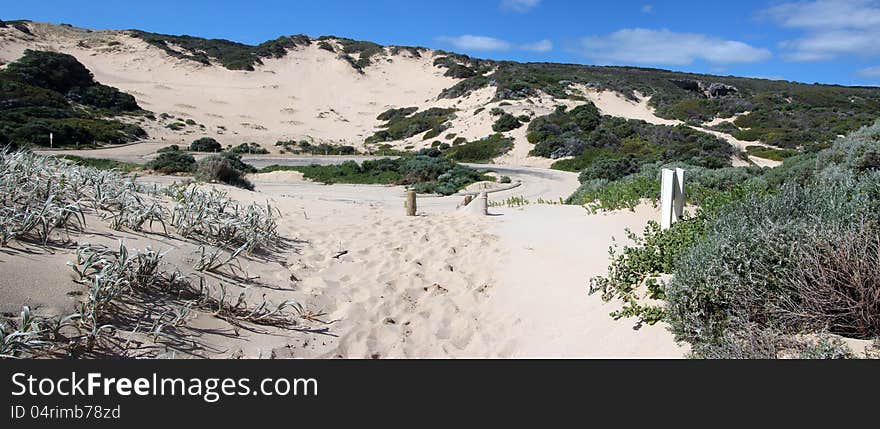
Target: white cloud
pixel 539 46
pixel 648 8
pixel 831 28
pixel 519 5
pixel 469 42
pixel 826 14
pixel 871 72
pixel 664 47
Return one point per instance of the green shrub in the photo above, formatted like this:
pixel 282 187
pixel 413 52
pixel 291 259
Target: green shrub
pixel 769 152
pixel 401 126
pixel 800 260
pixel 610 169
pixel 170 162
pixel 249 148
pixel 504 179
pixel 205 144
pixel 394 114
pixel 323 44
pixel 772 254
pixel 480 151
pixel 424 173
pixel 226 168
pixel 432 133
pixel 506 122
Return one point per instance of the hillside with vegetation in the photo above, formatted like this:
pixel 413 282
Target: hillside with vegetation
pixel 49 92
pixel 780 113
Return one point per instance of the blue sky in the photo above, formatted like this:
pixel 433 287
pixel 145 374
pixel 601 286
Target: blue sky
pixel 828 41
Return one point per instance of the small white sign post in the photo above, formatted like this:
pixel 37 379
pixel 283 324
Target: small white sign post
pixel 671 197
pixel 51 140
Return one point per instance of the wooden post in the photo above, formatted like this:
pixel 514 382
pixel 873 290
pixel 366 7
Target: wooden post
pixel 484 203
pixel 410 203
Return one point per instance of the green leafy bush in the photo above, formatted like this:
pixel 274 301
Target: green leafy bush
pixel 205 144
pixel 506 122
pixel 480 151
pixel 170 162
pixel 249 148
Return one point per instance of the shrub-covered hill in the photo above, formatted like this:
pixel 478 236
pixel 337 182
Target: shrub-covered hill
pixel 49 92
pixel 241 56
pixel 780 113
pixel 232 55
pixel 595 139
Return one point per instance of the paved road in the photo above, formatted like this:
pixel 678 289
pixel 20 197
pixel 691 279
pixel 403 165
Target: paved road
pixel 535 183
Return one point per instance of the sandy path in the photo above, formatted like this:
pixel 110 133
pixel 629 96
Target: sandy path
pixel 554 315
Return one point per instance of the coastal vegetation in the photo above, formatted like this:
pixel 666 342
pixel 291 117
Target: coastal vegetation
pixel 426 174
pixel 229 54
pixel 49 92
pixel 776 112
pixel 406 122
pixel 769 259
pixel 605 142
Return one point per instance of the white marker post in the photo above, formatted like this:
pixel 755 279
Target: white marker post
pixel 671 197
pixel 51 140
pixel 678 198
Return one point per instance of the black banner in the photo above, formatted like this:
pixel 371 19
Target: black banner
pixel 113 393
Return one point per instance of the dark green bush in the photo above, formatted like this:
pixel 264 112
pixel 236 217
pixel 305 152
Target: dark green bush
pixel 610 169
pixel 480 151
pixel 205 144
pixel 170 162
pixel 394 114
pixel 506 122
pixel 249 148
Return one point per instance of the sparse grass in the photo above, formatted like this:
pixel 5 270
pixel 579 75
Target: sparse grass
pixel 127 291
